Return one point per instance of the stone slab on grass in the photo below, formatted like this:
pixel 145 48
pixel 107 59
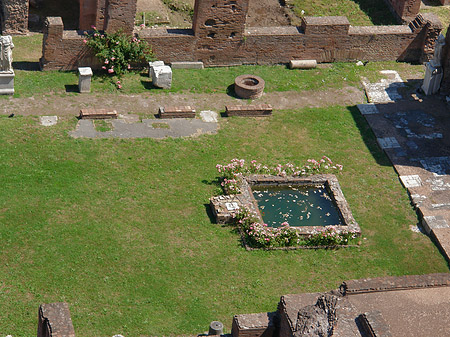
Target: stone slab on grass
pixel 209 116
pixel 187 65
pixel 48 120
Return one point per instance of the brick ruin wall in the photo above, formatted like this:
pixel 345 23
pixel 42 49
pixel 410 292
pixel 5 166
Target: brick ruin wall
pixel 326 39
pixel 404 10
pixel 14 16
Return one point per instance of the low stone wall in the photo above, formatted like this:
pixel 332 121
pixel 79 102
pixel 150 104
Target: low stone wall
pixel 325 39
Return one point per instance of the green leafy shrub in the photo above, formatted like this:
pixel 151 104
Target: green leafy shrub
pixel 118 51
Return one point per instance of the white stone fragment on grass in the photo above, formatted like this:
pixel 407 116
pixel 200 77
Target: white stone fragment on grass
pixel 152 65
pixel 48 120
pixel 209 116
pixel 359 63
pixel 162 77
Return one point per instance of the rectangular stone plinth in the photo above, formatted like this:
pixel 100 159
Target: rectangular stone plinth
pixel 84 79
pixel 97 114
pixel 254 325
pixel 7 83
pixel 55 321
pixel 176 112
pixel 249 110
pixel 187 65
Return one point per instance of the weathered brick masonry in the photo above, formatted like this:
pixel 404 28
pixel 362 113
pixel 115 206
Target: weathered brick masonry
pixel 14 16
pixel 404 10
pixel 219 37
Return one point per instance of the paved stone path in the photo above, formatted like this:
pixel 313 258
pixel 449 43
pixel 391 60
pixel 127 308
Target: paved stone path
pixel 415 135
pixel 150 128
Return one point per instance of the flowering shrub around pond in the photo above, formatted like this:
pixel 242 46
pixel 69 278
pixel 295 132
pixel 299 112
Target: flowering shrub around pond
pixel 237 168
pixel 259 235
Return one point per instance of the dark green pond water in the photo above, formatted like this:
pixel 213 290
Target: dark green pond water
pixel 298 205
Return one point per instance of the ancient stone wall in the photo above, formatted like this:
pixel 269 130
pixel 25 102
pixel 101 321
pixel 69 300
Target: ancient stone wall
pixel 404 10
pixel 325 39
pixel 14 16
pixel 119 15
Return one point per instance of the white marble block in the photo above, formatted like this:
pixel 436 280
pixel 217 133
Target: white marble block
pixel 152 65
pixel 162 77
pixel 84 79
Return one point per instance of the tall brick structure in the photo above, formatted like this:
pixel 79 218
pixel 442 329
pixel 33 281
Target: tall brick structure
pixel 14 16
pixel 405 10
pixel 219 27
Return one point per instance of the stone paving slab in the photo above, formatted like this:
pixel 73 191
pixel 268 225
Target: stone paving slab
pixel 122 129
pixel 415 135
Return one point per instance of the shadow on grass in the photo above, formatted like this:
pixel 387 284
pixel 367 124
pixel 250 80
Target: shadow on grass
pixel 231 92
pixel 377 11
pixel 369 137
pixel 71 87
pixel 148 85
pixel 26 65
pixel 210 213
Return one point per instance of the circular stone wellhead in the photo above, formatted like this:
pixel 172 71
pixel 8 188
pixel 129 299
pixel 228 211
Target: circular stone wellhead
pixel 249 86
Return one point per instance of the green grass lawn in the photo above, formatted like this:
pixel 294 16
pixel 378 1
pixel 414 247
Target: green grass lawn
pixel 120 230
pixel 209 80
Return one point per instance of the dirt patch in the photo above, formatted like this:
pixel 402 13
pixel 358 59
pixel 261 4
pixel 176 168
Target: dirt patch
pixel 148 104
pixel 267 13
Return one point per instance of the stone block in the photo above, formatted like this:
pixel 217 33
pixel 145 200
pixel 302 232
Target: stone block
pixel 7 83
pixel 187 65
pixel 55 321
pixel 162 77
pixel 432 80
pixel 431 223
pixel 152 65
pixel 84 79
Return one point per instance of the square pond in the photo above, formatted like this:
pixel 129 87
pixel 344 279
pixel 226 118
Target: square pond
pixel 299 205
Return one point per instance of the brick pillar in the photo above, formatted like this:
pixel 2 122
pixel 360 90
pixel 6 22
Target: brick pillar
pixel 404 10
pixel 14 17
pixel 54 320
pixel 120 15
pixel 88 14
pixel 433 29
pixel 53 35
pixel 219 27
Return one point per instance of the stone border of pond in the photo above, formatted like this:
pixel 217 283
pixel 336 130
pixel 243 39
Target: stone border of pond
pixel 227 207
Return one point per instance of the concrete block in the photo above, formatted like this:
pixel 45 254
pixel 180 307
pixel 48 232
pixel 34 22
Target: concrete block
pixel 84 79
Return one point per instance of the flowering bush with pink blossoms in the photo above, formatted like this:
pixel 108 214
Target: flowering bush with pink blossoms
pixel 117 51
pixel 237 168
pixel 259 235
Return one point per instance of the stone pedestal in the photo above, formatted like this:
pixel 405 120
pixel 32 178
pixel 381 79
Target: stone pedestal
pixel 7 83
pixel 432 80
pixel 84 79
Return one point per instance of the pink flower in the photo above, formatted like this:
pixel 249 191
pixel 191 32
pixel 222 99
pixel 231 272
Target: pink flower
pixel 142 25
pixel 84 41
pixel 119 86
pixel 106 61
pixel 129 66
pixel 103 67
pixel 118 82
pixel 93 27
pixel 110 71
pixel 113 58
pixel 117 42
